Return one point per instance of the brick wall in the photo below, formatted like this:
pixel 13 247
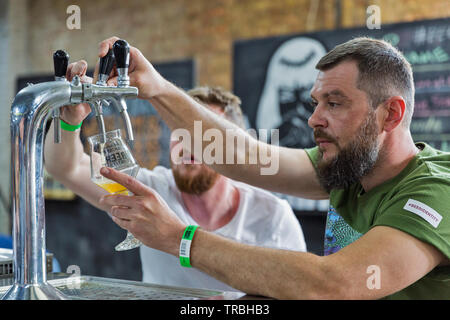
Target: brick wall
pixel 202 29
pixel 13 23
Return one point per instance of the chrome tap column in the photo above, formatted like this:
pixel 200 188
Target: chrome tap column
pixel 28 117
pixel 29 113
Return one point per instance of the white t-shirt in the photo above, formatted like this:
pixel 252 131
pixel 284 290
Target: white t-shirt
pixel 261 219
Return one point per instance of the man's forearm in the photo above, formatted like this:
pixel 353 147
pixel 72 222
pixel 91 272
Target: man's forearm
pixel 179 110
pixel 67 163
pixel 241 153
pixel 61 159
pixel 280 274
pixel 255 162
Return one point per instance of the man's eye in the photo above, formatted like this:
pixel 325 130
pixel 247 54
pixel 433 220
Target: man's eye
pixel 333 104
pixel 313 104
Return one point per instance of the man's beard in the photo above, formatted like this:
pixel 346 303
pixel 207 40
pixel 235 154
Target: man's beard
pixel 194 183
pixel 352 162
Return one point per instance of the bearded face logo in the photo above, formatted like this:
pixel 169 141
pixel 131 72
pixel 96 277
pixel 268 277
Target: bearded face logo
pixel 295 111
pixel 284 103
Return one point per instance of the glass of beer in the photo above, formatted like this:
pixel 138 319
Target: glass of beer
pixel 109 150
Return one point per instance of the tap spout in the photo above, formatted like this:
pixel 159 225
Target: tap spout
pixel 121 106
pixel 117 96
pixel 98 110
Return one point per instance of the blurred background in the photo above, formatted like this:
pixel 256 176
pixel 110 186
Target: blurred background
pixel 262 50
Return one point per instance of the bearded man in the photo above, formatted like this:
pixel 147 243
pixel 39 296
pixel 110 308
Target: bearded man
pixel 392 190
pixel 196 193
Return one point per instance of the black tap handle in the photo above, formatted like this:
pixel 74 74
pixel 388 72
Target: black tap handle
pixel 60 62
pixel 106 63
pixel 122 53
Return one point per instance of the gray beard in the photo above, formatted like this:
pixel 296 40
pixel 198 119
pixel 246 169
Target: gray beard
pixel 352 162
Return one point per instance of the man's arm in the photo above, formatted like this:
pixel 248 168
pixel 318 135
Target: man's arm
pixel 279 169
pixel 287 171
pixel 67 163
pixel 400 258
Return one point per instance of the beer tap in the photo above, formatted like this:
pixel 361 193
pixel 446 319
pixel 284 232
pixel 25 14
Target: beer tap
pixel 122 55
pixel 105 67
pixel 60 63
pixel 29 114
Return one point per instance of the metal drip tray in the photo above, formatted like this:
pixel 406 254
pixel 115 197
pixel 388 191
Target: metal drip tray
pixel 97 288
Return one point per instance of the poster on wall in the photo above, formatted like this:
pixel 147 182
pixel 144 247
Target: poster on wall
pixel 151 145
pixel 273 77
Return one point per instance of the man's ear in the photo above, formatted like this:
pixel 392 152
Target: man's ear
pixel 394 111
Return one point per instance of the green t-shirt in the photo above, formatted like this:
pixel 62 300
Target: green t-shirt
pixel 416 201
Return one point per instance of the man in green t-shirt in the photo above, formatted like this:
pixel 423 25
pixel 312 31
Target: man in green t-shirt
pixel 392 192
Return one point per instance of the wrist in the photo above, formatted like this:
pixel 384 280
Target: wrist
pixel 172 244
pixel 185 245
pixel 159 89
pixel 69 126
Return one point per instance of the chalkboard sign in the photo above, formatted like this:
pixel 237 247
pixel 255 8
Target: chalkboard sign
pixel 273 77
pixel 79 234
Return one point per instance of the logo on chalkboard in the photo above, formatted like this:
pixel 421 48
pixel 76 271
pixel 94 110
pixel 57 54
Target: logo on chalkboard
pixel 284 103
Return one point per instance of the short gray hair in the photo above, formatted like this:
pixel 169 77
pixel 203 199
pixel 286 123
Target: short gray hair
pixel 383 71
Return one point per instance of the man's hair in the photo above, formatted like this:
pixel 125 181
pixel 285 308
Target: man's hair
pixel 228 102
pixel 383 71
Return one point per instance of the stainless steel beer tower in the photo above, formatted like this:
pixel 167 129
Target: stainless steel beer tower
pixel 30 110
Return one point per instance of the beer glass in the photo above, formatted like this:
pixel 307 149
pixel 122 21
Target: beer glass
pixel 109 150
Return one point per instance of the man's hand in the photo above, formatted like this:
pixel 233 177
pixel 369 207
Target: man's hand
pixel 145 214
pixel 141 72
pixel 75 114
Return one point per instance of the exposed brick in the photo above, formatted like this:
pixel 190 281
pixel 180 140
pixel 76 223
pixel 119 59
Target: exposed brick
pixel 179 29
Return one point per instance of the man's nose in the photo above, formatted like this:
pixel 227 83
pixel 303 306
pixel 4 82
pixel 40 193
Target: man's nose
pixel 317 119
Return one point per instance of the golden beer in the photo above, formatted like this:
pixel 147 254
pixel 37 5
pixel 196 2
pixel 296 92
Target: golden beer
pixel 112 187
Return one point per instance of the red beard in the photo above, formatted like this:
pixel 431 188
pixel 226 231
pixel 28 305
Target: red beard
pixel 191 182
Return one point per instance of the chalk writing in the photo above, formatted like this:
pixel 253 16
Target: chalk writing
pixel 430 125
pixel 435 84
pixel 436 55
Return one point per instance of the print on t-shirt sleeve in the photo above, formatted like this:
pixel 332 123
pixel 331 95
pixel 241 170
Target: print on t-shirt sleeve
pixel 422 210
pixel 338 233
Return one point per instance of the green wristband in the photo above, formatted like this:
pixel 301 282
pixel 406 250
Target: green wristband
pixel 69 127
pixel 185 246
